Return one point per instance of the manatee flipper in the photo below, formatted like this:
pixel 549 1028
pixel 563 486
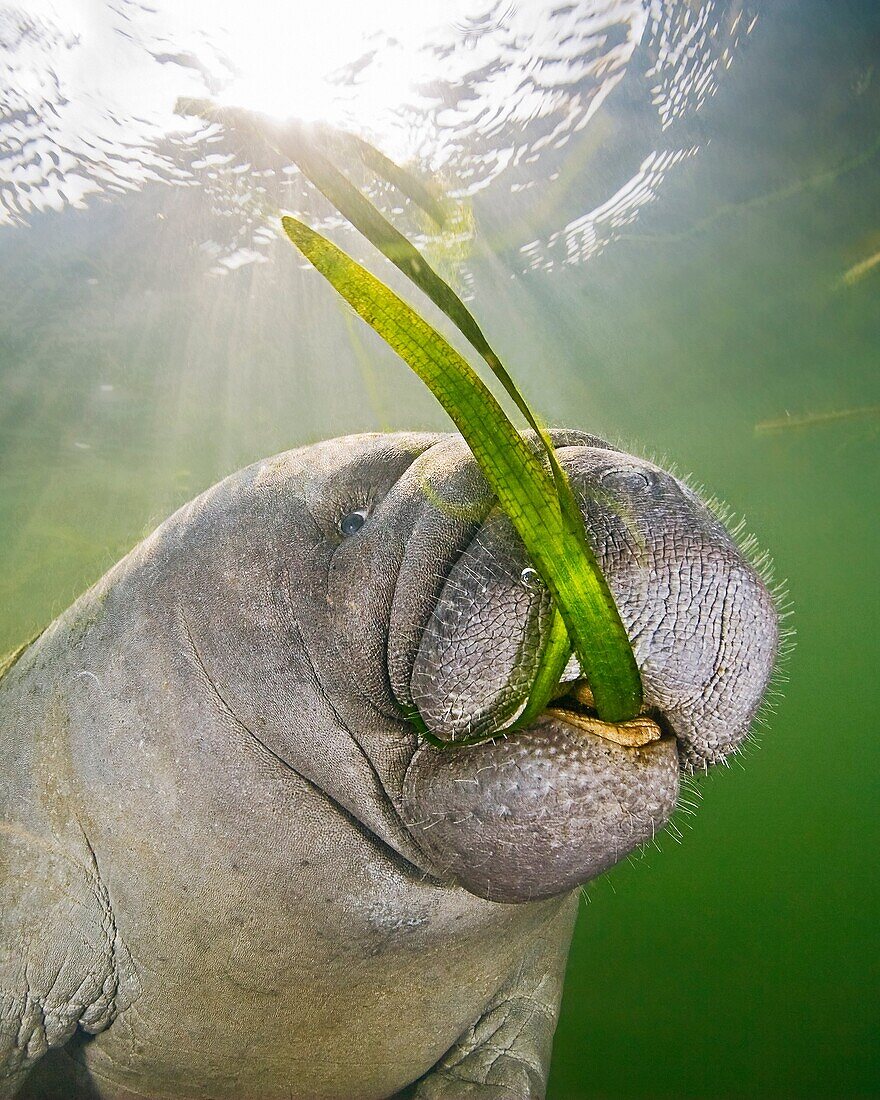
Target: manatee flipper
pixel 58 942
pixel 56 966
pixel 505 1055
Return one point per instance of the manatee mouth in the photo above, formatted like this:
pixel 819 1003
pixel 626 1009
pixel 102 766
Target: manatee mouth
pixel 575 707
pixel 516 808
pixel 519 814
pixel 540 811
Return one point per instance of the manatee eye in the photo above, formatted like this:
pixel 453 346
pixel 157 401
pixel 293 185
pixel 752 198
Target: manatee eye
pixel 351 523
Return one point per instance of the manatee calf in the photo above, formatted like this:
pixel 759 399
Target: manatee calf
pixel 232 869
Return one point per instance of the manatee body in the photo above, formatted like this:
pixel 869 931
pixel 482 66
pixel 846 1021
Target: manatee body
pixel 231 869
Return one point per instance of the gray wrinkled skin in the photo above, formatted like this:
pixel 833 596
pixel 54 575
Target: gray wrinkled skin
pixel 231 870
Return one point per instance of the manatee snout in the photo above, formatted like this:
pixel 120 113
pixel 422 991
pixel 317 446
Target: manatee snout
pixel 701 620
pixel 538 811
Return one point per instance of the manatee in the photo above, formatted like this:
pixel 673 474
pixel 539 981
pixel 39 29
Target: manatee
pixel 232 866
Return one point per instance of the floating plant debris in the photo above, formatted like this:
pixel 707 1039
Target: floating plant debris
pixel 858 271
pixel 816 419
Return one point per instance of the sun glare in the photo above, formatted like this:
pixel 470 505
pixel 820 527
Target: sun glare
pixel 348 62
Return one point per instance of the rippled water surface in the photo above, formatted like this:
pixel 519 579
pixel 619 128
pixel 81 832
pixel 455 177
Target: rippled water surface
pixel 668 215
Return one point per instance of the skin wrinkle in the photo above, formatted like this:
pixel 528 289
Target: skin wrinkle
pixel 415 634
pixel 405 865
pixel 388 802
pixel 325 695
pixel 501 605
pixel 107 1001
pixel 92 1003
pixel 711 568
pixel 409 868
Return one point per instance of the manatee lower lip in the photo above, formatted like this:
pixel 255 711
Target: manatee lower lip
pixel 539 812
pixel 575 708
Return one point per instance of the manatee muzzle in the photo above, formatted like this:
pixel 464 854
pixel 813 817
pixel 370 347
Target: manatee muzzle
pixel 702 623
pixel 526 814
pixel 538 811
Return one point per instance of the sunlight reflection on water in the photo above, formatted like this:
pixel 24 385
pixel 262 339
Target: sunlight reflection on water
pixel 481 95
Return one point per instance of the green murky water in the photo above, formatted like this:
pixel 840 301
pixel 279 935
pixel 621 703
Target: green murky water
pixel 742 961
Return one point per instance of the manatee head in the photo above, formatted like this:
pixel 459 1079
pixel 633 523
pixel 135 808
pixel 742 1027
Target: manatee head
pixel 359 579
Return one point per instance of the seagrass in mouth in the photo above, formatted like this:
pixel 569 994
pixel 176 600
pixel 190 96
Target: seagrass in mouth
pixel 576 708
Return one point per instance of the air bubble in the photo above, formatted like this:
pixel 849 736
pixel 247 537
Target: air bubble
pixel 531 579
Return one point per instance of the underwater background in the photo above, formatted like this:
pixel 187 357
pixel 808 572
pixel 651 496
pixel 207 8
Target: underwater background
pixel 668 223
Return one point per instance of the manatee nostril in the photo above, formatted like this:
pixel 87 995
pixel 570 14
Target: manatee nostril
pixel 351 523
pixel 633 481
pixel 531 579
